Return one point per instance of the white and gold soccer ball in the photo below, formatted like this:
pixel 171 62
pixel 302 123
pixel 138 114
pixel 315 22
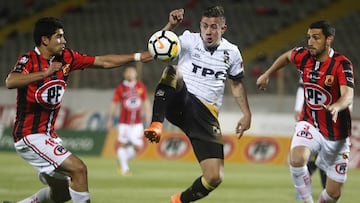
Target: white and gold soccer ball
pixel 164 45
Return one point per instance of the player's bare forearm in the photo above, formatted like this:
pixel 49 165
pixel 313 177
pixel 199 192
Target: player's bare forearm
pixel 240 95
pixel 279 63
pixel 17 80
pixel 117 60
pixel 346 99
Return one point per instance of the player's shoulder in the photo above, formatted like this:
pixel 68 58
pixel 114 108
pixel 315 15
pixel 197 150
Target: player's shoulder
pixel 25 58
pixel 226 42
pixel 340 57
pixel 188 35
pixel 229 47
pixel 300 50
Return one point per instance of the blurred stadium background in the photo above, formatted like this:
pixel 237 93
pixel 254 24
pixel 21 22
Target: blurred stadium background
pixel 261 28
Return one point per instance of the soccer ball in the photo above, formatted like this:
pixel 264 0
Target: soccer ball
pixel 164 45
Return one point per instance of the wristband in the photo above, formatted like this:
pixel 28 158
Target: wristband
pixel 137 57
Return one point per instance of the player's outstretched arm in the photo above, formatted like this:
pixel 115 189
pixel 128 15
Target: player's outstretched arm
pixel 175 18
pixel 279 63
pixel 116 60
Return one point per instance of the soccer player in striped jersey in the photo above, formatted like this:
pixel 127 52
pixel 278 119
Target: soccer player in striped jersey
pixel 299 102
pixel 131 95
pixel 40 77
pixel 190 95
pixel 324 125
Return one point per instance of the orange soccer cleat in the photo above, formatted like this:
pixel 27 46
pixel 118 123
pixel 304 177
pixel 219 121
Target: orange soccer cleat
pixel 153 132
pixel 175 198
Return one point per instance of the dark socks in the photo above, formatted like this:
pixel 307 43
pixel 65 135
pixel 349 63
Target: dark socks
pixel 196 191
pixel 163 94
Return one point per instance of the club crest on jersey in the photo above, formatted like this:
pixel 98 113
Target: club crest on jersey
pixel 341 168
pixel 329 80
pixel 66 69
pixel 50 94
pixel 60 150
pixel 316 96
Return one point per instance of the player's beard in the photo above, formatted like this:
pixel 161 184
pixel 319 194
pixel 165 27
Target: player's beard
pixel 317 52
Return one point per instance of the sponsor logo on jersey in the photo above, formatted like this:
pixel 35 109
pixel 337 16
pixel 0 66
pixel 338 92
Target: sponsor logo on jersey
pixel 50 94
pixel 24 60
pixel 305 134
pixel 316 96
pixel 207 72
pixel 132 103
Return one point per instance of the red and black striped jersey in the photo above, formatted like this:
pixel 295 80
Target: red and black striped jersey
pixel 131 96
pixel 38 103
pixel 322 81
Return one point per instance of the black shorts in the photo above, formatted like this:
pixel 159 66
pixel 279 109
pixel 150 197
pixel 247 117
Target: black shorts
pixel 198 123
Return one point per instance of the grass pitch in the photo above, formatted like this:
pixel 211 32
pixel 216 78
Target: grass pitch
pixel 156 181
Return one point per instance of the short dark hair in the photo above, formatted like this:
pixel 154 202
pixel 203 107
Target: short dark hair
pixel 46 26
pixel 325 26
pixel 215 11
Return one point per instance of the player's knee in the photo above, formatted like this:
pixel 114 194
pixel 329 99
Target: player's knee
pixel 169 76
pixel 214 179
pixel 298 162
pixel 82 168
pixel 79 169
pixel 299 156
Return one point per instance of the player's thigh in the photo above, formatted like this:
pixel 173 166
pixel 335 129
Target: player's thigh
pixel 305 142
pixel 334 159
pixel 43 152
pixel 137 135
pixel 124 131
pixel 333 188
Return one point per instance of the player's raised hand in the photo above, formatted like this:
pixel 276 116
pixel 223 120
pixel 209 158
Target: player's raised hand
pixel 262 82
pixel 176 17
pixel 54 67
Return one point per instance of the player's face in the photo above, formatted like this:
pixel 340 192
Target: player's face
pixel 318 44
pixel 211 30
pixel 130 74
pixel 56 43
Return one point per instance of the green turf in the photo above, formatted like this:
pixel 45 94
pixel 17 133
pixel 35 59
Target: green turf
pixel 155 181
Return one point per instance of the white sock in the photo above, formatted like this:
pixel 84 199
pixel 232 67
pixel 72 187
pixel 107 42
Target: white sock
pixel 123 159
pixel 79 197
pixel 42 196
pixel 130 152
pixel 302 182
pixel 325 198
